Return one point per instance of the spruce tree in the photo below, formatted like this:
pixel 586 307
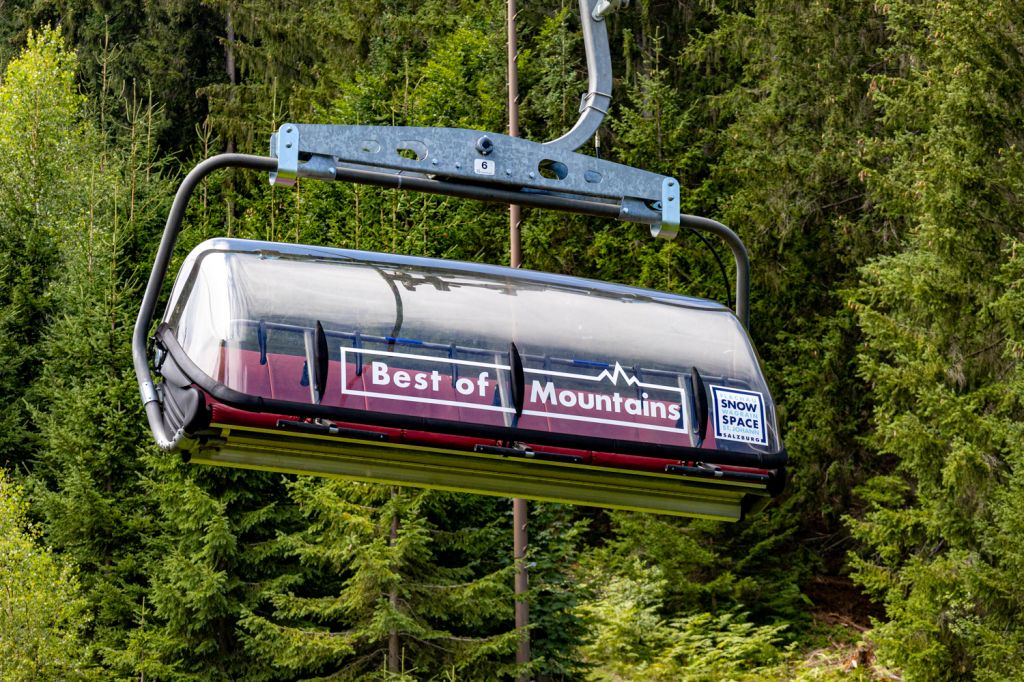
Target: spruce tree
pixel 788 181
pixel 215 552
pixel 942 344
pixel 384 593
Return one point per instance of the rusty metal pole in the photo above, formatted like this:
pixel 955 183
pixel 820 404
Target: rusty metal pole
pixel 520 514
pixel 515 211
pixel 520 510
pixel 394 652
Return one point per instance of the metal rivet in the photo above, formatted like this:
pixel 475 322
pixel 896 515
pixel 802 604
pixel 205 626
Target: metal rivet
pixel 434 162
pixel 458 165
pixel 532 175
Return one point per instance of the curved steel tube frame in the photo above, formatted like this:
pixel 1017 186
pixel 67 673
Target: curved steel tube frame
pixel 161 263
pixel 598 97
pixel 172 229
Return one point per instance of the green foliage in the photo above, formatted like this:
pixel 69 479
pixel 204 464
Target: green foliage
pixel 86 214
pixel 787 179
pixel 869 154
pixel 215 550
pixel 372 588
pixel 42 612
pixel 550 73
pixel 940 343
pixel 634 640
pixel 160 52
pixel 557 626
pixel 461 86
pixel 43 134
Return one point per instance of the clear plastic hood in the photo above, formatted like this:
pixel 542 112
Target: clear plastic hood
pixel 471 343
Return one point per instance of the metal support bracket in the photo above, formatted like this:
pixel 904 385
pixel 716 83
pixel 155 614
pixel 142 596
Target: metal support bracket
pixel 476 164
pixel 605 7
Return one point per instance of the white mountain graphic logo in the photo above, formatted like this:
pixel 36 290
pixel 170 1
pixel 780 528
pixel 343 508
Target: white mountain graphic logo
pixel 613 377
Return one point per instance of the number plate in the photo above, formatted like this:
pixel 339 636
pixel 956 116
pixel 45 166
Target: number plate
pixel 483 166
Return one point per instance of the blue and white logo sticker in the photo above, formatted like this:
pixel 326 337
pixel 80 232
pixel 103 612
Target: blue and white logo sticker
pixel 739 415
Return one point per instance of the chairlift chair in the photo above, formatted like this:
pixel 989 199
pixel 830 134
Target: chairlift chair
pixel 461 376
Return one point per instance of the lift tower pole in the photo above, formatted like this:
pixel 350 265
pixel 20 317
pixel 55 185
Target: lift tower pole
pixel 515 211
pixel 520 509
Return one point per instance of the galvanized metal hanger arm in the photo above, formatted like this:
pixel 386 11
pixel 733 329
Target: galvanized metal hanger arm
pixel 534 174
pixel 595 102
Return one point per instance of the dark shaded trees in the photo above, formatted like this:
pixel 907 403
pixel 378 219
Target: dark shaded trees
pixel 941 349
pixel 388 588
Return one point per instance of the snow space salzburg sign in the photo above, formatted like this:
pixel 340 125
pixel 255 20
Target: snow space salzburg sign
pixel 739 415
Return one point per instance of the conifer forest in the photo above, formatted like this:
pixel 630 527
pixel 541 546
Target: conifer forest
pixel 869 153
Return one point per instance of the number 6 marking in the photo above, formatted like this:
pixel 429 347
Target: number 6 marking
pixel 483 167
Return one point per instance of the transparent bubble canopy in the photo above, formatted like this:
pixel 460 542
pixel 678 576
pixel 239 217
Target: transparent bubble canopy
pixel 452 340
